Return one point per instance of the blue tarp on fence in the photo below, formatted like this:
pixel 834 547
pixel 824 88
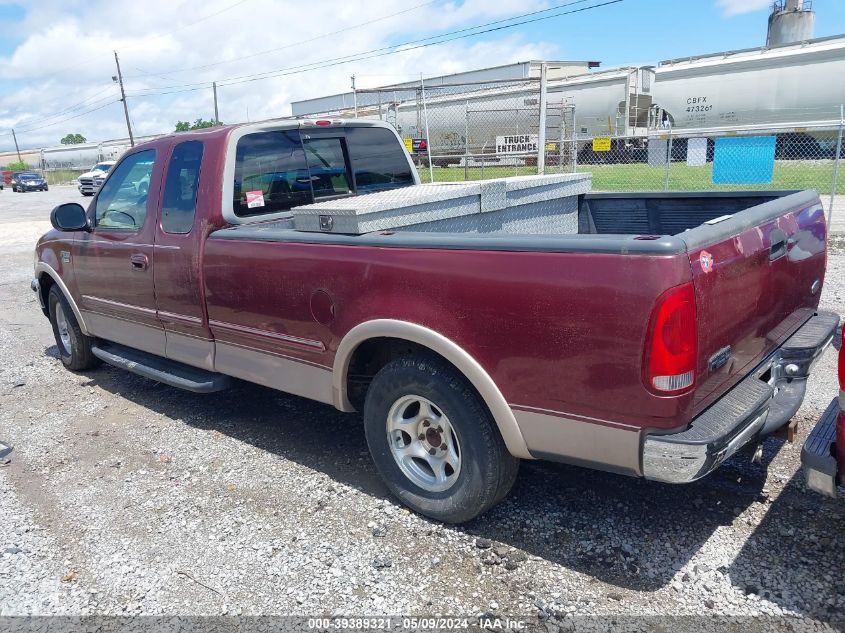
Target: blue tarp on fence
pixel 744 160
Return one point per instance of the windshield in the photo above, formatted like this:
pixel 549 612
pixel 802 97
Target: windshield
pixel 28 174
pixel 101 167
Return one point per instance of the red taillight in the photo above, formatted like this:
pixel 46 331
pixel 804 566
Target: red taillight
pixel 322 123
pixel 671 348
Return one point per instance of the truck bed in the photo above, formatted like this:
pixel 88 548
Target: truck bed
pixel 646 223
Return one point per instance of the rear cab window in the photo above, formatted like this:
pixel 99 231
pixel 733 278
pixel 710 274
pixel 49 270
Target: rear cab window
pixel 280 169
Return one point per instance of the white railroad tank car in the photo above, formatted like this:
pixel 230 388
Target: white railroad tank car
pixel 80 156
pixel 795 85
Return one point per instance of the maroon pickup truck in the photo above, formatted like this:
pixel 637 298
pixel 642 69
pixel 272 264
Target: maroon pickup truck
pixel 656 338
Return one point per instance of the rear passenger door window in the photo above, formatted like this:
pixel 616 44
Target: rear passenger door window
pixel 180 190
pixel 122 201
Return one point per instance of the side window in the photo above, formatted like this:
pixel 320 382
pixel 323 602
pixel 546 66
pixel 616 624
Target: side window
pixel 271 173
pixel 327 165
pixel 377 159
pixel 122 201
pixel 180 188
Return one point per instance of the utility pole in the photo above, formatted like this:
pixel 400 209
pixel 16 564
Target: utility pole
pixel 216 117
pixel 17 149
pixel 354 97
pixel 119 79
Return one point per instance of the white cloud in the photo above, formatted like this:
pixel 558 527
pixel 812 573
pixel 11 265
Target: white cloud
pixel 737 7
pixel 65 57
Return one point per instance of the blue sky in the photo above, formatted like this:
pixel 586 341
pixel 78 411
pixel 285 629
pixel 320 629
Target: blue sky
pixel 647 31
pixel 56 56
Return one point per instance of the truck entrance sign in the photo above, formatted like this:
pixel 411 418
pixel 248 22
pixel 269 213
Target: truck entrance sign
pixel 517 144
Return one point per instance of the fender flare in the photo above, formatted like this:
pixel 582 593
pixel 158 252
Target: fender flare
pixel 448 349
pixel 42 268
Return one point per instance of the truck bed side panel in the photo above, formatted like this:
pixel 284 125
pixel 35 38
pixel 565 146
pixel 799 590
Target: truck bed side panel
pixel 561 333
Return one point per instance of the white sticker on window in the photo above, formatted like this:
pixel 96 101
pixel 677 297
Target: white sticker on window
pixel 254 199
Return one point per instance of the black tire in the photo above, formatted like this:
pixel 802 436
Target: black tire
pixel 487 470
pixel 79 357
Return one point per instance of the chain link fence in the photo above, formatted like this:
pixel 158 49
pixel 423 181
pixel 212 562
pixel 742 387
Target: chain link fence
pixel 472 131
pixel 721 161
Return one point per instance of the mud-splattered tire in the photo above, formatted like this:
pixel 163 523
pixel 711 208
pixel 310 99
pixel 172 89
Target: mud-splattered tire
pixel 434 442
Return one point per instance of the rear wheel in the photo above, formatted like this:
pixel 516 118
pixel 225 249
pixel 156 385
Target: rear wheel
pixel 74 346
pixel 433 441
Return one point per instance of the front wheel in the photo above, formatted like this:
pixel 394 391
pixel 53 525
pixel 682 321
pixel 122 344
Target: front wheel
pixel 74 346
pixel 433 441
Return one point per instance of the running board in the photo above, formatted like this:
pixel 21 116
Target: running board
pixel 164 370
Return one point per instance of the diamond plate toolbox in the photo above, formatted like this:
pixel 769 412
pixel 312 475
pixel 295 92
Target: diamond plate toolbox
pixel 441 205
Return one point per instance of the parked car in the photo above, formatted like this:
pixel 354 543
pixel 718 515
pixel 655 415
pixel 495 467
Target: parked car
pixel 23 181
pixel 823 455
pixel 85 182
pixel 648 334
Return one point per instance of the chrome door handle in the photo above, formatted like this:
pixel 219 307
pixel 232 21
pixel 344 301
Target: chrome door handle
pixel 139 262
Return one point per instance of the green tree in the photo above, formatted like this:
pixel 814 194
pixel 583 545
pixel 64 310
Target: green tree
pixel 18 166
pixel 73 139
pixel 199 124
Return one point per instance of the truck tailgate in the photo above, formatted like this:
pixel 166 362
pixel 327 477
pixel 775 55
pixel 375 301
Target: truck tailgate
pixel 757 278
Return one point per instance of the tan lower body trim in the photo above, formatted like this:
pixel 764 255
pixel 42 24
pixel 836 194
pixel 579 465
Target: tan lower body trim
pixel 610 448
pixel 276 372
pixel 191 350
pixel 125 332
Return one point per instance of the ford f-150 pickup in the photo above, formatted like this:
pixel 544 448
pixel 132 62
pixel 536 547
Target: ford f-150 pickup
pixel 651 335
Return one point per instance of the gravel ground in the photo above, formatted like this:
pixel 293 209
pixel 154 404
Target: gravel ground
pixel 127 497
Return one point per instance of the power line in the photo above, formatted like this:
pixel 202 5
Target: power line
pixel 76 116
pixel 286 46
pixel 387 50
pixel 354 56
pixel 84 103
pixel 442 38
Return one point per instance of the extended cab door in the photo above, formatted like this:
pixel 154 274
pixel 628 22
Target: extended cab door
pixel 114 262
pixel 179 242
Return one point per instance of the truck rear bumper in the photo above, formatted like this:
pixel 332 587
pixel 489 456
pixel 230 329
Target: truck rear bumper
pixel 758 406
pixel 820 463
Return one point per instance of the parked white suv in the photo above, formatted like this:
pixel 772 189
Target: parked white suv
pixel 86 180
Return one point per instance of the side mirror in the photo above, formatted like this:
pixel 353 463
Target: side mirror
pixel 69 217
